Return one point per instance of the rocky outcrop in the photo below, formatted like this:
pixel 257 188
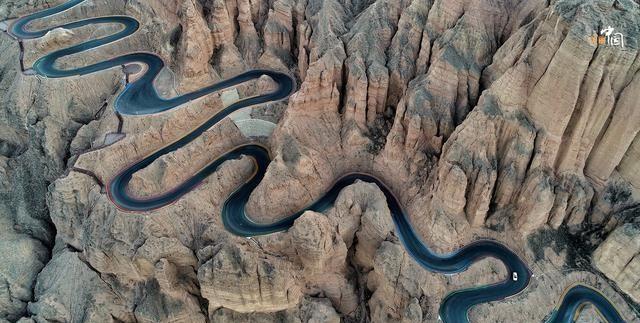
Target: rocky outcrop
pixel 243 280
pixel 56 38
pixel 68 283
pixel 16 8
pixel 246 281
pixel 307 170
pixel 552 152
pixel 278 32
pixel 317 245
pixel 367 75
pixel 323 255
pixel 397 283
pixel 196 45
pixel 160 176
pixel 36 129
pixel 617 257
pixel 312 309
pixel 25 257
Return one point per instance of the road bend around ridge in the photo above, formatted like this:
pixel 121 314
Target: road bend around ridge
pixel 140 98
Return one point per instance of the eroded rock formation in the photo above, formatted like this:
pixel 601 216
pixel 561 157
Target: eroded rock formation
pixel 487 119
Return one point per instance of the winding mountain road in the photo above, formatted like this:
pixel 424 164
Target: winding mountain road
pixel 140 98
